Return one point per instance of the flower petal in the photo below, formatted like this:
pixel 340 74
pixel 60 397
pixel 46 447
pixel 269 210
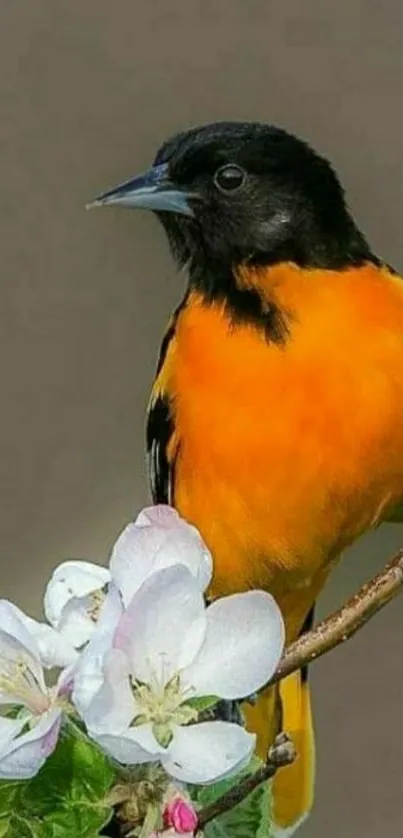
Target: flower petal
pixel 13 621
pixel 160 515
pixel 39 639
pixel 243 644
pixel 133 746
pixel 207 752
pixel 76 624
pixel 9 729
pixel 113 708
pixel 54 650
pixel 159 538
pixel 65 682
pixel 163 628
pixel 72 579
pixel 88 673
pixel 23 758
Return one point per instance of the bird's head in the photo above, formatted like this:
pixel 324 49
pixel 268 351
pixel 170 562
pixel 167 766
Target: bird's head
pixel 235 193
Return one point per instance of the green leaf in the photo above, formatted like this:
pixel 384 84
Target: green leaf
pixel 78 821
pixel 9 790
pixel 249 819
pixel 62 823
pixel 21 827
pixel 77 772
pixel 203 702
pixel 66 798
pixel 5 827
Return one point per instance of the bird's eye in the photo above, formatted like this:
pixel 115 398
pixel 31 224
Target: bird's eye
pixel 229 178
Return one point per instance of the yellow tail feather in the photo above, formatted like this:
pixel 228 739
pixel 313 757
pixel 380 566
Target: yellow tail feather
pixel 287 707
pixel 293 786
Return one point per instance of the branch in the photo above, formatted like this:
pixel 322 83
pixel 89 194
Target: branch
pixel 337 628
pixel 344 623
pixel 281 753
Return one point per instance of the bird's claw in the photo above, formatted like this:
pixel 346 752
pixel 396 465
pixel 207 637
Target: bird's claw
pixel 282 752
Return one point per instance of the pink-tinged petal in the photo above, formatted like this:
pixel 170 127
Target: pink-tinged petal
pixel 9 729
pixel 133 746
pixel 65 681
pixel 242 647
pixel 25 755
pixel 208 752
pixel 72 579
pixel 159 538
pixel 113 708
pixel 163 628
pixel 88 672
pixel 160 515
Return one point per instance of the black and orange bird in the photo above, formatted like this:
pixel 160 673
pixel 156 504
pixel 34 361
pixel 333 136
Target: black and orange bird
pixel 275 423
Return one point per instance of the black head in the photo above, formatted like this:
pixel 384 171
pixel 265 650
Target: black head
pixel 232 193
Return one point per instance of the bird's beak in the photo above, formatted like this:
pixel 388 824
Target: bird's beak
pixel 153 190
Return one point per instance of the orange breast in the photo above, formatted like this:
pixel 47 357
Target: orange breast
pixel 287 453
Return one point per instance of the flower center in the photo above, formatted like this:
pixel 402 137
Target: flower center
pixel 163 706
pixel 97 599
pixel 19 682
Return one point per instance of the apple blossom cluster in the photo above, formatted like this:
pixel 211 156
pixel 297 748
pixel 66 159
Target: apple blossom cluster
pixel 137 654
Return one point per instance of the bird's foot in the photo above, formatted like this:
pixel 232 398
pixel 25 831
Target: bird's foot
pixel 282 751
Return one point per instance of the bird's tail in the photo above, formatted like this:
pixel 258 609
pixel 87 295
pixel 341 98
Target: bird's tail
pixel 286 706
pixel 293 786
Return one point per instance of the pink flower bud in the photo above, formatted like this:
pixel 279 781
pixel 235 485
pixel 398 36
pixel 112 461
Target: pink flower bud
pixel 171 833
pixel 181 815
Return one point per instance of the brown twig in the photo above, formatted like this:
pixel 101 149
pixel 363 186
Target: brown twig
pixel 281 753
pixel 337 628
pixel 344 623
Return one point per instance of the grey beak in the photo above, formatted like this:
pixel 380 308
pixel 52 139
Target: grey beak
pixel 152 190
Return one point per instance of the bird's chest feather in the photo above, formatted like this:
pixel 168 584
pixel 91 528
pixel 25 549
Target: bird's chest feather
pixel 285 453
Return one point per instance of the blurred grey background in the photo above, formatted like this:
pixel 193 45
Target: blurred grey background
pixel 88 89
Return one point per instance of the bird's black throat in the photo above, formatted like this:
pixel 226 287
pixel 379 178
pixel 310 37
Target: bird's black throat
pixel 212 266
pixel 289 208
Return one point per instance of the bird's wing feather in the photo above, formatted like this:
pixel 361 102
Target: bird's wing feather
pixel 161 437
pixel 160 433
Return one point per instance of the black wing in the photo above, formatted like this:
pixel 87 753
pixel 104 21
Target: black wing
pixel 162 449
pixel 159 433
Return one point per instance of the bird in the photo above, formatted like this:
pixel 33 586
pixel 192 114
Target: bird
pixel 275 422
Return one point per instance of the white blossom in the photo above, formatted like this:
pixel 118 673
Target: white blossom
pixel 73 598
pixel 169 650
pixel 158 538
pixel 26 741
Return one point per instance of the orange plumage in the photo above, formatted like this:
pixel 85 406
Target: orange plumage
pixel 276 444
